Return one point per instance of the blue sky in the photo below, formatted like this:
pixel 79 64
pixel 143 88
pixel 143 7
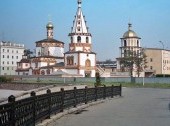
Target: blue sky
pixel 24 21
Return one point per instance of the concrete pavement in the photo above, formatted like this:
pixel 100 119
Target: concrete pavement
pixel 138 107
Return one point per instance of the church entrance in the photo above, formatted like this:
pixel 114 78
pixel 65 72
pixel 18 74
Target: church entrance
pixel 87 68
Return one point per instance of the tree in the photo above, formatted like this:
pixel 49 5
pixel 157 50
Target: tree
pixel 98 81
pixel 28 53
pixel 133 60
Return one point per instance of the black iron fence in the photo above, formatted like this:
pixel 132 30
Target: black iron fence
pixel 29 111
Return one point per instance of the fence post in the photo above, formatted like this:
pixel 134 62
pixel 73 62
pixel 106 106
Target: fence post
pixel 62 100
pixel 33 94
pixel 75 96
pixel 104 92
pixel 120 89
pixel 95 93
pixel 85 94
pixel 112 91
pixel 11 99
pixel 49 103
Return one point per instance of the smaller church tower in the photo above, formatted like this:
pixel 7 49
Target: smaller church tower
pixel 130 50
pixel 50 30
pixel 80 59
pixel 49 52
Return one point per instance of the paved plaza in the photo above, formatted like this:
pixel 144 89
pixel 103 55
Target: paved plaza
pixel 137 107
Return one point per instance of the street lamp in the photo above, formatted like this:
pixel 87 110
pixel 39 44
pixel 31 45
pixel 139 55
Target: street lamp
pixel 162 44
pixel 162 58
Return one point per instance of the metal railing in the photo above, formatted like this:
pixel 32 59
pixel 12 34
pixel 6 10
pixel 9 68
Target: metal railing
pixel 36 108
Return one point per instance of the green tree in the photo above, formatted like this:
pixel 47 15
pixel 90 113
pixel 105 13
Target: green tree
pixel 98 81
pixel 133 59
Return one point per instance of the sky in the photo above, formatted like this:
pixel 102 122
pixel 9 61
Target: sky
pixel 24 21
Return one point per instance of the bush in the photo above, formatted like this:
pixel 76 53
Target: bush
pixel 5 79
pixel 98 81
pixel 161 75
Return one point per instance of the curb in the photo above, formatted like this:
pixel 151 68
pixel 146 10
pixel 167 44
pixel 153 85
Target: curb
pixel 54 118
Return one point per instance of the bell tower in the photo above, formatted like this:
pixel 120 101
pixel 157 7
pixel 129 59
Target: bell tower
pixel 80 38
pixel 80 59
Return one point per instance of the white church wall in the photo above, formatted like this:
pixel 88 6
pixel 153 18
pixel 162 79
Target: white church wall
pixel 85 57
pixel 56 51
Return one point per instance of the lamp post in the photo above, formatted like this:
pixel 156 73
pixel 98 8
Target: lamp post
pixel 162 58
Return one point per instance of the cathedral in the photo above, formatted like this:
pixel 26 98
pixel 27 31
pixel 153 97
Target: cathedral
pixel 50 58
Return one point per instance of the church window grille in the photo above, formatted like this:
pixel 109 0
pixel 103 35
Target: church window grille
pixel 78 39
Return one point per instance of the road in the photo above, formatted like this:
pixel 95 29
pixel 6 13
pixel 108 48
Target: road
pixel 137 107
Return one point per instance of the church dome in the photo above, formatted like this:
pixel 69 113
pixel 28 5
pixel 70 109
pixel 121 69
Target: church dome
pixel 49 25
pixel 130 33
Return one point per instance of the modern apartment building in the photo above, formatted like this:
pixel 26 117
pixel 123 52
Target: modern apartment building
pixel 10 54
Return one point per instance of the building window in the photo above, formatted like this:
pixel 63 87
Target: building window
pixel 78 28
pixel 151 60
pixel 42 72
pixel 137 43
pixel 7 62
pixel 8 50
pixel 3 62
pixel 3 50
pixel 12 62
pixel 8 56
pixel 125 44
pixel 71 39
pixel 7 68
pixel 16 57
pixel 26 64
pixel 12 51
pixel 87 39
pixel 79 22
pixel 48 71
pixel 36 65
pixel 12 57
pixel 78 39
pixel 151 67
pixel 88 63
pixel 3 56
pixel 17 51
pixel 2 68
pixel 70 60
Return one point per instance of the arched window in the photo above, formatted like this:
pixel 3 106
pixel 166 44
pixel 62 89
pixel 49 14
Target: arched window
pixel 42 72
pixel 78 39
pixel 137 43
pixel 125 44
pixel 88 63
pixel 87 39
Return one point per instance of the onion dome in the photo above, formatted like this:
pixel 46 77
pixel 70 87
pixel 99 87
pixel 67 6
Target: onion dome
pixel 130 33
pixel 49 25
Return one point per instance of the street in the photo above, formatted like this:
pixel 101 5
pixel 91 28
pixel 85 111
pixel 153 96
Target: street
pixel 137 107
